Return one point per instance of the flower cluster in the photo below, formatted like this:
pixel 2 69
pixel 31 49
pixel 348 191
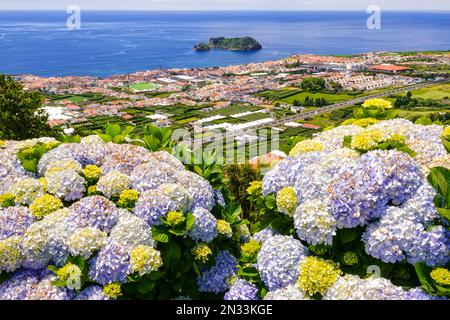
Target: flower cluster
pixel 278 261
pixel 242 290
pixel 48 219
pixel 216 278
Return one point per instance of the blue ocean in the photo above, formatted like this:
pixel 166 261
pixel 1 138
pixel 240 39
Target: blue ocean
pixel 123 42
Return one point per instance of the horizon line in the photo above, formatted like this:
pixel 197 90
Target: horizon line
pixel 225 10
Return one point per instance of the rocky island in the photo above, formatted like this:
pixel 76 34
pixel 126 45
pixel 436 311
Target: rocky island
pixel 232 44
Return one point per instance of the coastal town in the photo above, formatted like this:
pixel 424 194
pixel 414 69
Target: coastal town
pixel 229 98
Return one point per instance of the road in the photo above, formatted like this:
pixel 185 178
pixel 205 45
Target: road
pixel 310 114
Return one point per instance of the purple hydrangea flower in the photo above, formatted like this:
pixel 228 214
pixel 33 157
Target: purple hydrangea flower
pixel 278 261
pixel 205 226
pixel 215 279
pixel 111 265
pixel 242 290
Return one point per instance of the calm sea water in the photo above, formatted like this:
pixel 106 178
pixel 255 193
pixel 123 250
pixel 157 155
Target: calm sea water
pixel 123 42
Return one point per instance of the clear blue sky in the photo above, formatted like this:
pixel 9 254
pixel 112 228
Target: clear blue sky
pixel 225 4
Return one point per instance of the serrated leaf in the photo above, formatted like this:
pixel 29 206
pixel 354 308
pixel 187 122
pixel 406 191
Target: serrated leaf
pixel 160 235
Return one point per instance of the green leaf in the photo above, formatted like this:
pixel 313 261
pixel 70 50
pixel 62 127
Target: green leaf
pixel 105 137
pixel 113 130
pixel 53 269
pixel 347 141
pixel 423 273
pixel 444 212
pixel 119 139
pixel 160 235
pixel 389 114
pixel 151 143
pixel 144 287
pixel 128 130
pixel 348 235
pixel 446 144
pixel 270 202
pixel 190 220
pixel 30 165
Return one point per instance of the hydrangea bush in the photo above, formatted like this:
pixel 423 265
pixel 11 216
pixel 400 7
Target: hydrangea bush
pixel 360 211
pixel 97 220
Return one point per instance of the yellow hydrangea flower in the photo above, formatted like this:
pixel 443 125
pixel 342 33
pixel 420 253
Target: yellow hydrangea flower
pixel 287 200
pixel 377 104
pixel 6 200
pixel 10 253
pixel 112 290
pixel 348 122
pixel 145 259
pixel 2 143
pixel 92 190
pixel 201 252
pixel 128 198
pixel 175 218
pixel 306 146
pixel 316 275
pixel 365 122
pixel 224 228
pixel 92 172
pixel 250 249
pixel 441 276
pixel 71 274
pixel 446 133
pixel 398 138
pixel 255 187
pixel 44 205
pixel 368 139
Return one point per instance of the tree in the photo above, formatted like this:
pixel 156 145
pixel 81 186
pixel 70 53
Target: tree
pixel 313 84
pixel 21 116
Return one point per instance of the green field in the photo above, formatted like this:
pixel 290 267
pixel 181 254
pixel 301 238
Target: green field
pixel 143 86
pixel 438 92
pixel 316 95
pixel 289 95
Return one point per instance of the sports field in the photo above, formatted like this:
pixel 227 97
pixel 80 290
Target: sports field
pixel 143 86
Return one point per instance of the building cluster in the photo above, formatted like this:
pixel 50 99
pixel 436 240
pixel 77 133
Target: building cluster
pixel 216 88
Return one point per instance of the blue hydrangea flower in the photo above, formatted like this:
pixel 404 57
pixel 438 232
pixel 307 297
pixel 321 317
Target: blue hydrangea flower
pixel 111 265
pixel 92 293
pixel 95 211
pixel 156 203
pixel 32 285
pixel 205 226
pixel 419 294
pixel 199 190
pixel 151 175
pixel 265 234
pixel 286 172
pixel 398 236
pixel 14 221
pixel 215 279
pixel 362 192
pixel 278 261
pixel 242 290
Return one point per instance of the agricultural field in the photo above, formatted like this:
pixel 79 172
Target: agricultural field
pixel 440 91
pixel 289 95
